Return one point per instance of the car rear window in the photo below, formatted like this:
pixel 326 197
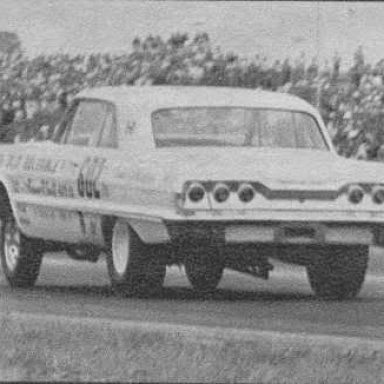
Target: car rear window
pixel 235 126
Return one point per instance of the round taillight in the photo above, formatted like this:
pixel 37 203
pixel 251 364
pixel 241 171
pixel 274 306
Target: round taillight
pixel 196 193
pixel 246 193
pixel 378 195
pixel 355 194
pixel 221 193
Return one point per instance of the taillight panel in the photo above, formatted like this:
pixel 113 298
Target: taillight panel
pixel 356 193
pixel 218 192
pixel 241 194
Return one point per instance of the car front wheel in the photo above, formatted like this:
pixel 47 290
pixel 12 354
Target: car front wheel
pixel 20 257
pixel 132 267
pixel 204 269
pixel 338 272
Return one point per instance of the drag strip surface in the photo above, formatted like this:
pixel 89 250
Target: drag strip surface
pixel 284 303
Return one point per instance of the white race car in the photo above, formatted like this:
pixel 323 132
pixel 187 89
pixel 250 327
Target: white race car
pixel 210 178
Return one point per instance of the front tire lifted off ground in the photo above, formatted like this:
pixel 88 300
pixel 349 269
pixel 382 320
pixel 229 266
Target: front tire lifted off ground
pixel 132 267
pixel 204 268
pixel 20 257
pixel 338 272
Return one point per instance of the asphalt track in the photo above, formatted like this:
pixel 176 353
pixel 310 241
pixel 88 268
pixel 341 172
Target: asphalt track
pixel 283 303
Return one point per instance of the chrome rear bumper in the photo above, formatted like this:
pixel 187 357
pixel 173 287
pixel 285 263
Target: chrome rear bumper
pixel 259 232
pixel 299 233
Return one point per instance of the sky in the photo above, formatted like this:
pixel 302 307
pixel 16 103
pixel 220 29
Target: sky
pixel 273 29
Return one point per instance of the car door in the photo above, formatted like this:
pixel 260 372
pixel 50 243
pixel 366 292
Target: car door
pixel 92 184
pixel 82 140
pixel 63 210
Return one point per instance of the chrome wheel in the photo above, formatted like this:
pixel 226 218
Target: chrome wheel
pixel 132 266
pixel 20 256
pixel 11 244
pixel 121 247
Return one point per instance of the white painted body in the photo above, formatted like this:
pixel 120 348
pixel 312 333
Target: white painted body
pixel 145 184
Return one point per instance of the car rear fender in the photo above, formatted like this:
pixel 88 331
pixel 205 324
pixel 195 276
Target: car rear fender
pixel 6 201
pixel 150 231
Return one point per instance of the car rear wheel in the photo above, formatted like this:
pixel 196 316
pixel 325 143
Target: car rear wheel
pixel 132 267
pixel 20 257
pixel 338 272
pixel 204 269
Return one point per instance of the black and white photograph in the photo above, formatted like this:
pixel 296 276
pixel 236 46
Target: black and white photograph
pixel 192 191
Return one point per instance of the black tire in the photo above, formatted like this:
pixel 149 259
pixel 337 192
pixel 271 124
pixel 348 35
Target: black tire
pixel 338 272
pixel 20 257
pixel 204 269
pixel 154 272
pixel 141 272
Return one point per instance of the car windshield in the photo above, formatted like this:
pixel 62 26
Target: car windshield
pixel 238 127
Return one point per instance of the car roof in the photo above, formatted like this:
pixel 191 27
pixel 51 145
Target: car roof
pixel 158 97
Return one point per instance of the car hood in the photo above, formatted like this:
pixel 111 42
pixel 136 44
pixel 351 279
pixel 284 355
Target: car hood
pixel 275 168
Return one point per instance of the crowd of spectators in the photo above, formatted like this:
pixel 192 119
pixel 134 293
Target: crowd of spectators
pixel 34 92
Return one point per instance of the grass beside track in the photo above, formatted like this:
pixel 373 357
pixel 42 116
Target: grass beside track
pixel 35 347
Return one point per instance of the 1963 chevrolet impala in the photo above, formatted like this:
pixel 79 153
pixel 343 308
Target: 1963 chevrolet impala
pixel 210 178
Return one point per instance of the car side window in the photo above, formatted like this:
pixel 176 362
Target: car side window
pixel 108 134
pixel 88 119
pixel 62 128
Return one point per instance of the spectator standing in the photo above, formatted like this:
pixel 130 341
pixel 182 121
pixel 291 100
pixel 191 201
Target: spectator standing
pixel 336 66
pixel 286 72
pixel 7 118
pixel 8 114
pixel 312 70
